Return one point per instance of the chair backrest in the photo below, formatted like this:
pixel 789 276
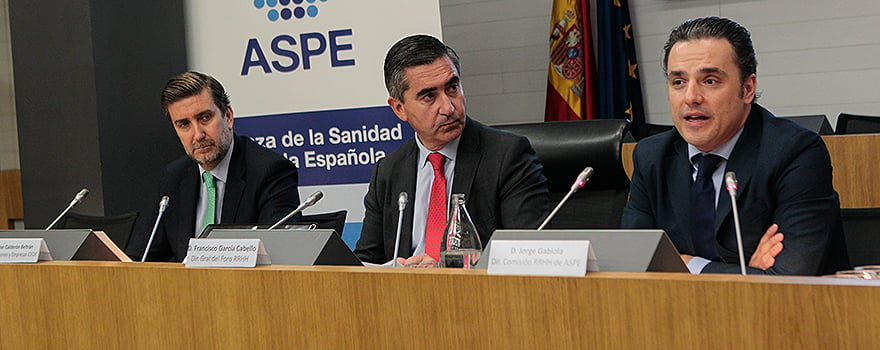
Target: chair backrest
pixel 648 129
pixel 860 226
pixel 818 123
pixel 118 228
pixel 565 148
pixel 857 124
pixel 334 220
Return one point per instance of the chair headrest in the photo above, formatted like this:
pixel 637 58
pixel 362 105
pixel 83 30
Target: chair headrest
pixel 566 147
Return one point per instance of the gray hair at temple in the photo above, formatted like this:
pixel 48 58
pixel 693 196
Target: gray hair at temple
pixel 414 50
pixel 717 28
pixel 190 84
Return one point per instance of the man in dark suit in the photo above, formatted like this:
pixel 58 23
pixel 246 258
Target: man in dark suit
pixel 784 170
pixel 224 178
pixel 498 172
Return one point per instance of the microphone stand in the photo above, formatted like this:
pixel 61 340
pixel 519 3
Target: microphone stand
pixel 163 204
pixel 78 198
pixel 730 179
pixel 582 178
pixel 401 206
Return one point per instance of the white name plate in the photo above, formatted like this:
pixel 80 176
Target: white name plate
pixel 23 250
pixel 226 252
pixel 542 258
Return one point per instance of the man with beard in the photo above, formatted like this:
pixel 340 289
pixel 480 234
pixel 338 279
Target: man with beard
pixel 225 178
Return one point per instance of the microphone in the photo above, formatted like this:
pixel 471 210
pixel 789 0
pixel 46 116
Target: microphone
pixel 401 205
pixel 730 181
pixel 78 198
pixel 314 198
pixel 582 178
pixel 163 204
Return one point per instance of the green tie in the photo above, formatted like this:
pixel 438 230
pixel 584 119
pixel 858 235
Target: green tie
pixel 211 199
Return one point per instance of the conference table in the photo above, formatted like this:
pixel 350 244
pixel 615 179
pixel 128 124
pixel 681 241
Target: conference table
pixel 105 305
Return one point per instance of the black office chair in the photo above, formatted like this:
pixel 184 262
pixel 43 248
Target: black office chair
pixel 818 123
pixel 118 228
pixel 857 124
pixel 334 220
pixel 565 148
pixel 649 130
pixel 860 226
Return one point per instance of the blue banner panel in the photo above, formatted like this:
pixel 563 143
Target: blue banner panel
pixel 329 147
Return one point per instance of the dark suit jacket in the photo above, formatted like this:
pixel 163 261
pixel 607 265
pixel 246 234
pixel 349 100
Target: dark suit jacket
pixel 261 188
pixel 784 174
pixel 498 172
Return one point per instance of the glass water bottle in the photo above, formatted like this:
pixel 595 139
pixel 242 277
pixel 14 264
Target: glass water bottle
pixel 461 245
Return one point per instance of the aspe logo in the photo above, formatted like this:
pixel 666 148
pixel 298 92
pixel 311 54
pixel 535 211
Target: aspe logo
pixel 287 9
pixel 288 52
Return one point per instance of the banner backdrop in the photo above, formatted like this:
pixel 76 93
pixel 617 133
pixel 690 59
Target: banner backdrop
pixel 305 80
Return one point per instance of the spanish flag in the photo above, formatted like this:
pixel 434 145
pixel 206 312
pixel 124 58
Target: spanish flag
pixel 570 76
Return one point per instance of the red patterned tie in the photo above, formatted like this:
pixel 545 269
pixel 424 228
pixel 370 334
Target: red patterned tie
pixel 437 208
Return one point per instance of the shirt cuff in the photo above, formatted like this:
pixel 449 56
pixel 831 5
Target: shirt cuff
pixel 696 265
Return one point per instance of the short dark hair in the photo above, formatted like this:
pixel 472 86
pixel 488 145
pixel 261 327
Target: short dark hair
pixel 717 28
pixel 190 84
pixel 414 50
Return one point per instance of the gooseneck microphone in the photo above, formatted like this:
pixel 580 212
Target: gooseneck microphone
pixel 78 198
pixel 730 181
pixel 314 198
pixel 582 178
pixel 401 205
pixel 163 204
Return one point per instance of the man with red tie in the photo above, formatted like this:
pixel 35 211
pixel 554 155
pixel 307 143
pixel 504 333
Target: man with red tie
pixel 498 172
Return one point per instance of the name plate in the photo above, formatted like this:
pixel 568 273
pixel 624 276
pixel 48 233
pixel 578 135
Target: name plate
pixel 542 258
pixel 226 252
pixel 23 250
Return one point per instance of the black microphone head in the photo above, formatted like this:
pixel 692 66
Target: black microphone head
pixel 402 200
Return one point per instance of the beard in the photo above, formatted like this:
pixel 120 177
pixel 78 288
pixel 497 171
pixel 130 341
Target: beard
pixel 214 157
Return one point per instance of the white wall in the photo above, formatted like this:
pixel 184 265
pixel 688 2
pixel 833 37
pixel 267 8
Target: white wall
pixel 503 47
pixel 814 56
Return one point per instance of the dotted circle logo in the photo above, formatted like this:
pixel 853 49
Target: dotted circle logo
pixel 288 9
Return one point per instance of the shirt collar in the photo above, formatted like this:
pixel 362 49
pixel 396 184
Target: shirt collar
pixel 722 151
pixel 449 151
pixel 222 169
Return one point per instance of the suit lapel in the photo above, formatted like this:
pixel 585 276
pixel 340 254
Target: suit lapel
pixel 235 182
pixel 742 162
pixel 188 189
pixel 405 183
pixel 467 159
pixel 680 181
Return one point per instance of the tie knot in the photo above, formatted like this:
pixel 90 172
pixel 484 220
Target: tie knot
pixel 706 164
pixel 209 179
pixel 437 161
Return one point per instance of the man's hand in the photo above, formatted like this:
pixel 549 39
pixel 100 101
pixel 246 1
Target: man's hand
pixel 422 260
pixel 768 248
